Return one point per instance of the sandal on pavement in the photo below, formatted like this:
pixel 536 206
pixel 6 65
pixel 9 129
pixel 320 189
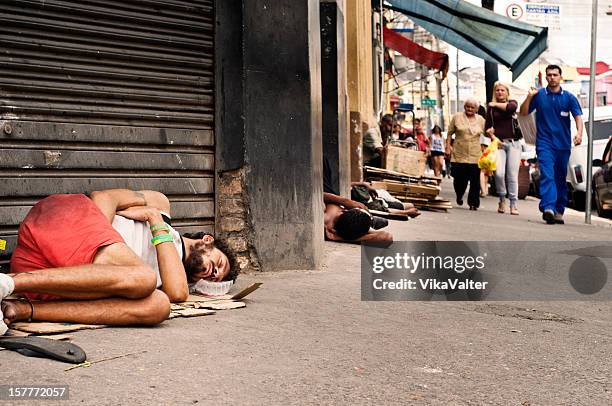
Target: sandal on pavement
pixel 45 348
pixel 501 208
pixel 514 211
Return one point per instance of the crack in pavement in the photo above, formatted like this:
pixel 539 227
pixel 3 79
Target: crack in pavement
pixel 523 313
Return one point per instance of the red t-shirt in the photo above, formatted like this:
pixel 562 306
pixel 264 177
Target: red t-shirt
pixel 422 140
pixel 61 231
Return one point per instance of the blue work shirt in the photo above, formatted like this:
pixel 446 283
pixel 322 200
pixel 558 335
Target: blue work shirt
pixel 553 118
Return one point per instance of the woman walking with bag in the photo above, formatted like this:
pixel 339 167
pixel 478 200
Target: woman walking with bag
pixel 465 152
pixel 501 123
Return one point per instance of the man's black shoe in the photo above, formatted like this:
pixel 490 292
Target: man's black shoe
pixel 549 217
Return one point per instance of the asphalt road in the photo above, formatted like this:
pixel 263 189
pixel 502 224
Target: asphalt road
pixel 305 337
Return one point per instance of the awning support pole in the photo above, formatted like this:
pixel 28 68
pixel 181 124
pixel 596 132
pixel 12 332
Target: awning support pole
pixel 589 178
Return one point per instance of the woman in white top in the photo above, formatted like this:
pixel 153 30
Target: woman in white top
pixel 437 150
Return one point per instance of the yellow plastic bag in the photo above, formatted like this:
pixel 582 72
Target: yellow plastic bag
pixel 488 159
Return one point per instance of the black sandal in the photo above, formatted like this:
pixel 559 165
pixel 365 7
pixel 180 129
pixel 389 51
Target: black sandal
pixel 31 346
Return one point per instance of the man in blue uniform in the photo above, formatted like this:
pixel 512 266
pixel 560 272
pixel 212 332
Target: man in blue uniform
pixel 554 141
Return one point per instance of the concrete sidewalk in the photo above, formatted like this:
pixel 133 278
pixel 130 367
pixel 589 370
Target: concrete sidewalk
pixel 307 338
pixel 462 224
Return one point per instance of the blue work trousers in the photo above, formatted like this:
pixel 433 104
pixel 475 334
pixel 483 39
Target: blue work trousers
pixel 553 173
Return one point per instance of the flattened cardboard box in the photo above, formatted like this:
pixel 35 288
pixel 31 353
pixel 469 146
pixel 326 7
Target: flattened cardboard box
pixel 405 161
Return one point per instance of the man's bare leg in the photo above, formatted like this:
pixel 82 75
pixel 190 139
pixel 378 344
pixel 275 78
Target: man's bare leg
pixel 118 312
pixel 116 272
pixel 412 212
pixel 124 285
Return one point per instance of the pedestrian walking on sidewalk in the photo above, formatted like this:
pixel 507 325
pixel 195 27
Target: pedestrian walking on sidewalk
pixel 465 152
pixel 437 150
pixel 484 174
pixel 501 124
pixel 553 141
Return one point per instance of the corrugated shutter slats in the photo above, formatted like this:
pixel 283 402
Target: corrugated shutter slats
pixel 100 94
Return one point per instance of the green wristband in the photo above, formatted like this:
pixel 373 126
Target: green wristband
pixel 158 239
pixel 160 227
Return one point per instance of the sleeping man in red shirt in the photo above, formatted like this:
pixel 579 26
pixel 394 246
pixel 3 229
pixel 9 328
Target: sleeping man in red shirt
pixel 111 258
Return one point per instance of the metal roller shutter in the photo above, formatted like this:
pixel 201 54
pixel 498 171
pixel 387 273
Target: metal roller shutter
pixel 106 94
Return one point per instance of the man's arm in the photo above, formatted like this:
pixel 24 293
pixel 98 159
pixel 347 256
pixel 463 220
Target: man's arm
pixel 171 269
pixel 110 201
pixel 371 236
pixel 330 198
pixel 579 127
pixel 524 111
pixel 377 236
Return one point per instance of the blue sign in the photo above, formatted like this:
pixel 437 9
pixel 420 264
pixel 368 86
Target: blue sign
pixel 543 9
pixel 405 106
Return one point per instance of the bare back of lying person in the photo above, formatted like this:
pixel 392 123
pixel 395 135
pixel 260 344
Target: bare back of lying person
pixel 347 220
pixel 109 258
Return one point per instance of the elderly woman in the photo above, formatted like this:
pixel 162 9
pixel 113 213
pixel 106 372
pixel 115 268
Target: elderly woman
pixel 499 124
pixel 465 152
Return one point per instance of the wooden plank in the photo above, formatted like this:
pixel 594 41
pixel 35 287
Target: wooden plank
pixel 425 190
pixel 379 185
pixel 27 159
pixel 411 199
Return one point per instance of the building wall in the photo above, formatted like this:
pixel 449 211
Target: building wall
pixel 359 77
pixel 269 168
pixel 336 141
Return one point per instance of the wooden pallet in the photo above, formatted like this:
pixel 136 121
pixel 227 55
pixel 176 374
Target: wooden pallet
pixel 422 191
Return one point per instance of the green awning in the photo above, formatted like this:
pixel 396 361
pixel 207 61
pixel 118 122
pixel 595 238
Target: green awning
pixel 477 31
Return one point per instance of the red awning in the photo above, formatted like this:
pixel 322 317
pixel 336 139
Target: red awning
pixel 412 50
pixel 600 67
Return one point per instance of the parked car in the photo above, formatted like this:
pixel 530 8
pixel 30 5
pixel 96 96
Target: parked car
pixel 602 182
pixel 577 166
